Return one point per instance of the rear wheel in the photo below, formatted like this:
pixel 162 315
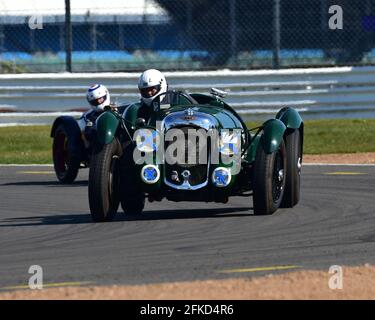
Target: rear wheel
pixel 66 155
pixel 269 179
pixel 294 164
pixel 104 182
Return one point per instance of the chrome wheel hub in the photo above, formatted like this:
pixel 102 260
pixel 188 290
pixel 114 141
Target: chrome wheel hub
pixel 299 164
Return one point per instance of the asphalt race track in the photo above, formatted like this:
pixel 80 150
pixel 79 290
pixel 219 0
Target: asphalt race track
pixel 47 224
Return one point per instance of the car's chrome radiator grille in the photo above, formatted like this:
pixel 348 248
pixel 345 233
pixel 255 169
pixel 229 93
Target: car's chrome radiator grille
pixel 188 170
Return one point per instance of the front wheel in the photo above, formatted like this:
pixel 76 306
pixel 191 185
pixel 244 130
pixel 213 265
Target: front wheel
pixel 104 182
pixel 294 165
pixel 65 154
pixel 269 179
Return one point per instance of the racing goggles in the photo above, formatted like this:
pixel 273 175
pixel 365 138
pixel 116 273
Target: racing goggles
pixel 150 91
pixel 98 101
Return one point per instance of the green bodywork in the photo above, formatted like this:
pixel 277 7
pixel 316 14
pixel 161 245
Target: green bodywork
pixel 224 117
pixel 293 121
pixel 106 126
pixel 290 117
pixel 273 133
pixel 130 115
pixel 252 150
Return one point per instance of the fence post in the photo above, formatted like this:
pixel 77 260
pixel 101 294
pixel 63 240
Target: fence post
pixel 2 39
pixel 323 24
pixel 121 44
pixel 276 34
pixel 94 33
pixel 189 18
pixel 68 37
pixel 32 40
pixel 233 30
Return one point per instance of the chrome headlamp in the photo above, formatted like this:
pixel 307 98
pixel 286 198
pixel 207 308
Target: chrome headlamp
pixel 221 177
pixel 150 174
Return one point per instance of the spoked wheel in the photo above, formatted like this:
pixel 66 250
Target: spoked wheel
pixel 66 156
pixel 294 166
pixel 269 180
pixel 278 181
pixel 104 182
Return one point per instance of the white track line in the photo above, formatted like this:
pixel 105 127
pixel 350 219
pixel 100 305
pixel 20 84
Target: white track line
pixel 26 165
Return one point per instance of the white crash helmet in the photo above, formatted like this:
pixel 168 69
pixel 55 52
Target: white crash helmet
pixel 98 96
pixel 148 79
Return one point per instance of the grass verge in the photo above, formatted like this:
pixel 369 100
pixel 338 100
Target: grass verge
pixel 25 144
pixel 339 136
pixel 32 144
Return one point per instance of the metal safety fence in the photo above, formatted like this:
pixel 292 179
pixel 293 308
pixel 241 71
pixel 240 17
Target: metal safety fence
pixel 315 92
pixel 132 35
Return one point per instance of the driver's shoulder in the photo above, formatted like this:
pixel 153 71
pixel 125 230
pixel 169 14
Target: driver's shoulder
pixel 91 114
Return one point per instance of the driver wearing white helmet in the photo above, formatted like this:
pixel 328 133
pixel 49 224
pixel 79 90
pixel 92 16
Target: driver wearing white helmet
pixel 98 96
pixel 151 83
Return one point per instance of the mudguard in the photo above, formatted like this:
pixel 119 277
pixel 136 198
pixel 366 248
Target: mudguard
pixel 290 117
pixel 69 123
pixel 252 151
pixel 273 132
pixel 71 126
pixel 130 115
pixel 292 120
pixel 106 127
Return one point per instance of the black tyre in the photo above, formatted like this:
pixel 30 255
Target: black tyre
pixel 133 205
pixel 268 179
pixel 294 164
pixel 104 182
pixel 66 154
pixel 132 197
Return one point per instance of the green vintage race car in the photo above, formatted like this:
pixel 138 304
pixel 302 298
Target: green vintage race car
pixel 133 160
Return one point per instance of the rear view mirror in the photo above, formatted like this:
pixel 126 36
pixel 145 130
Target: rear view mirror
pixel 218 93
